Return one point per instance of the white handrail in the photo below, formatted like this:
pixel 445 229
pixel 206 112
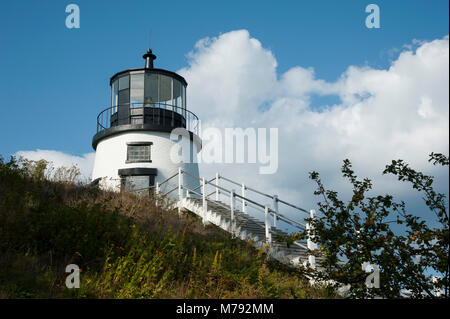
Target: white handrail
pixel 191 191
pixel 213 192
pixel 245 201
pixel 200 185
pixel 180 188
pixel 275 208
pixel 176 187
pixel 310 244
pixel 293 206
pixel 244 204
pixel 217 186
pixel 266 195
pixel 167 179
pixel 204 202
pixel 232 213
pixel 267 224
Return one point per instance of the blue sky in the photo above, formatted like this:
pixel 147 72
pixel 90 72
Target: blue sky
pixel 54 81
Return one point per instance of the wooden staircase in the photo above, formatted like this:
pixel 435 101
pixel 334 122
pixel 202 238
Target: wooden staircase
pixel 240 222
pixel 248 228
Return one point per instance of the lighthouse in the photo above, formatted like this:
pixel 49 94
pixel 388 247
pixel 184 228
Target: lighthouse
pixel 135 133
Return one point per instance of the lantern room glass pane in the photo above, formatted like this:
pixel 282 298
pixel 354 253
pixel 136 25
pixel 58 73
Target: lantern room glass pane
pixel 151 89
pixel 176 95
pixel 124 97
pixel 137 89
pixel 183 99
pixel 124 82
pixel 165 91
pixel 114 96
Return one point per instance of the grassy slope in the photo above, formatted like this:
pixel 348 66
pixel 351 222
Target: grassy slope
pixel 125 246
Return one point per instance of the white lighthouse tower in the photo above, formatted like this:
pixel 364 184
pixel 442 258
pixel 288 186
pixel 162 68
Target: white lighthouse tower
pixel 132 143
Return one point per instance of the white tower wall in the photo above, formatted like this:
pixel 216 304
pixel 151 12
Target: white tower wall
pixel 111 155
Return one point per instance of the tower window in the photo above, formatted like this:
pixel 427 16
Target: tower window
pixel 136 183
pixel 137 179
pixel 138 152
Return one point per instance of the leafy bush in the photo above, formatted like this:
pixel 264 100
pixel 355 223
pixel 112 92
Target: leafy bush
pixel 360 231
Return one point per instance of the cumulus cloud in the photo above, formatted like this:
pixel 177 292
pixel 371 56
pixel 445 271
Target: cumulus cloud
pixel 228 75
pixel 85 162
pixel 383 114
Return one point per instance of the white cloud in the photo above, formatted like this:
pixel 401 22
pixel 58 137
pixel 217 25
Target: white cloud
pixel 85 163
pixel 228 72
pixel 400 112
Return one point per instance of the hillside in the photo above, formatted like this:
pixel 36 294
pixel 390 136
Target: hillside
pixel 125 246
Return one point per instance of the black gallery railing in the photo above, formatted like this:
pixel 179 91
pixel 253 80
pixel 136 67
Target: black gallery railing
pixel 157 114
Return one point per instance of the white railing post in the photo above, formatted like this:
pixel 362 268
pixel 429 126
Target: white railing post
pixel 205 204
pixel 232 212
pixel 275 208
pixel 157 193
pixel 180 183
pixel 244 202
pixel 217 188
pixel 180 188
pixel 267 224
pixel 310 241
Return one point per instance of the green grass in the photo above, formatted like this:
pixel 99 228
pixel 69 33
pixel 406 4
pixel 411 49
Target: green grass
pixel 125 246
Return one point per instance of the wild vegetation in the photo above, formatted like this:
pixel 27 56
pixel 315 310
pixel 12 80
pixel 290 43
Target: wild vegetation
pixel 125 246
pixel 410 252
